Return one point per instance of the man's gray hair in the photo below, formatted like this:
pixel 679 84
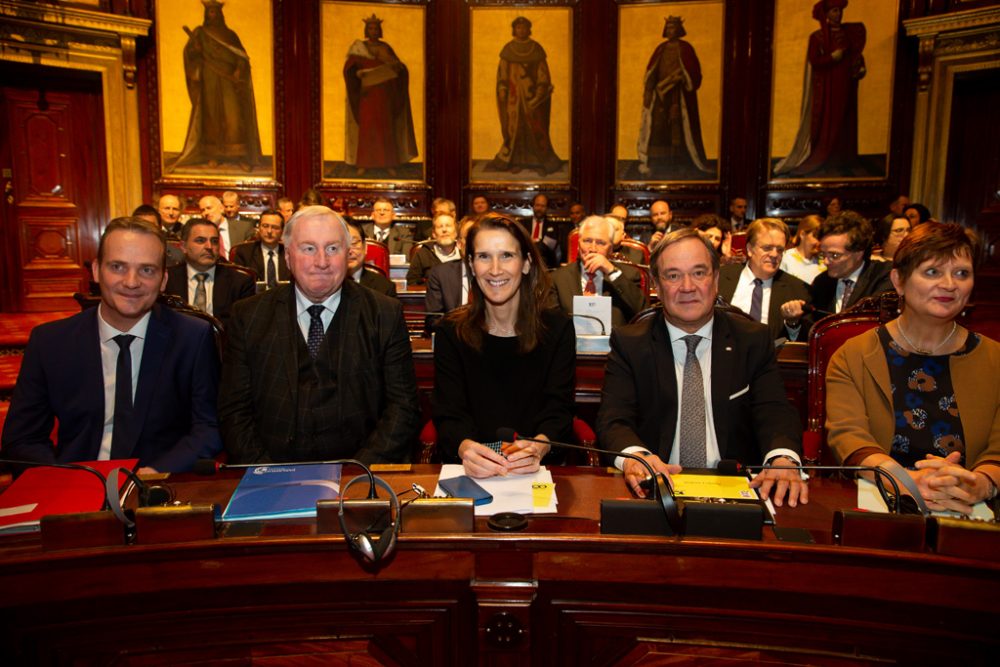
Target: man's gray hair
pixel 307 212
pixel 597 220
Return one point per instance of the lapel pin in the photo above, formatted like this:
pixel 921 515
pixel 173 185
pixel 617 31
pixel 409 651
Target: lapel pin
pixel 729 349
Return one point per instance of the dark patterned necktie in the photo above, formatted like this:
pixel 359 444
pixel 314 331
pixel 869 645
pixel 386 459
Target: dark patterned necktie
pixel 590 289
pixel 123 394
pixel 848 289
pixel 272 271
pixel 692 409
pixel 757 300
pixel 315 330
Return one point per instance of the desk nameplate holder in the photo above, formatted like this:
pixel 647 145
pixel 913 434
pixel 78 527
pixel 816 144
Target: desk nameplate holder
pixel 733 520
pixel 964 538
pixel 81 530
pixel 425 515
pixel 874 530
pixel 174 523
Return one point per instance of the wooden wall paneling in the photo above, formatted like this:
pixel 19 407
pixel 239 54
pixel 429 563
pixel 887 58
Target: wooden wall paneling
pixel 298 95
pixel 54 209
pixel 595 80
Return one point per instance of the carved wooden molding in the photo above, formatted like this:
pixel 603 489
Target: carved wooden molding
pixel 950 44
pixel 957 32
pixel 59 30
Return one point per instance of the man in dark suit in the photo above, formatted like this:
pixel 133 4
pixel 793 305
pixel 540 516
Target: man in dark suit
pixel 738 214
pixel 201 281
pixel 448 283
pixel 595 274
pixel 320 369
pixel 845 241
pixel 162 411
pixel 759 288
pixel 661 370
pixel 231 232
pixel 267 256
pixel 442 247
pixel 543 232
pixel 398 238
pixel 356 268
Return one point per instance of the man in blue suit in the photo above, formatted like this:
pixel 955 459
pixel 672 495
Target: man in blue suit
pixel 127 379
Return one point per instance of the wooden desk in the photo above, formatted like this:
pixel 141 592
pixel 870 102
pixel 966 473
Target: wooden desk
pixel 561 593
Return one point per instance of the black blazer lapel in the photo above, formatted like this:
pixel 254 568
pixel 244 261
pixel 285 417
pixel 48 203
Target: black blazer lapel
pixel 287 326
pixel 724 363
pixel 92 376
pixel 728 280
pixel 153 350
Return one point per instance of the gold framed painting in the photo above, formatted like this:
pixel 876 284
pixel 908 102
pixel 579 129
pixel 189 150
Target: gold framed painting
pixel 670 62
pixel 521 96
pixel 216 90
pixel 834 67
pixel 373 69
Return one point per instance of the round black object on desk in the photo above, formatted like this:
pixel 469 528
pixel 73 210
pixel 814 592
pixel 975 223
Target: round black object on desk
pixel 507 522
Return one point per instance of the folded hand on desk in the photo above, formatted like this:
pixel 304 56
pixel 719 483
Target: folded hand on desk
pixel 520 457
pixel 946 485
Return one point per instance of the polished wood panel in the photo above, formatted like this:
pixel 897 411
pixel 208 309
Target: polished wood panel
pixel 55 185
pixel 558 593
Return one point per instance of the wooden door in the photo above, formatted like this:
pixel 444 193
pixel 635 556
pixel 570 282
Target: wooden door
pixel 54 178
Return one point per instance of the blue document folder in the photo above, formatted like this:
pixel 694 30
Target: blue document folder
pixel 282 491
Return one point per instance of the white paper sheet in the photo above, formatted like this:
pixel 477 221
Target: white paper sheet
pixel 513 493
pixel 587 307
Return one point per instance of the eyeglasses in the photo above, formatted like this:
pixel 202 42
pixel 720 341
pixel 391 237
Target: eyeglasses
pixel 832 256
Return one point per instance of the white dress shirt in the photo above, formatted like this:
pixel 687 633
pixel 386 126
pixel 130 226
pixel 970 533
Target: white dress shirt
pixel 446 257
pixel 109 367
pixel 302 304
pixel 743 296
pixel 227 243
pixel 839 304
pixel 193 287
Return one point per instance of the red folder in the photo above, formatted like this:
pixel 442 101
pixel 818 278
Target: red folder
pixel 41 491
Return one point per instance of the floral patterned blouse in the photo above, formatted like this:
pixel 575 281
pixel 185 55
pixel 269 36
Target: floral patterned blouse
pixel 923 400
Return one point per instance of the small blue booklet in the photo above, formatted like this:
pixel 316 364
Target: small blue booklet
pixel 283 491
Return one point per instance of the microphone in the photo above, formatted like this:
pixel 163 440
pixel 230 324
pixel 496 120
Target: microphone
pixel 883 470
pixel 659 486
pixel 67 466
pixel 809 308
pixel 590 317
pixel 211 466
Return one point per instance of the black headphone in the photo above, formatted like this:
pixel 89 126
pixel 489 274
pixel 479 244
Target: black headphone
pixel 149 495
pixel 373 551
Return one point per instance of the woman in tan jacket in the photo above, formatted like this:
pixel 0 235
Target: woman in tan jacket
pixel 922 389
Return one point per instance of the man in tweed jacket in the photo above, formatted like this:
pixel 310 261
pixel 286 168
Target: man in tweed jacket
pixel 321 369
